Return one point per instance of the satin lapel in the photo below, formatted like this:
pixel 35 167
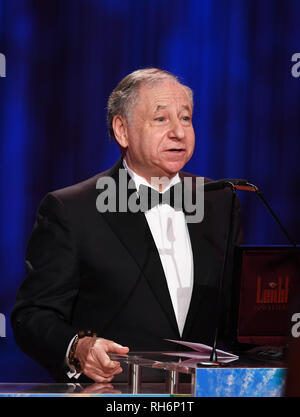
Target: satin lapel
pixel 197 232
pixel 133 231
pixel 200 274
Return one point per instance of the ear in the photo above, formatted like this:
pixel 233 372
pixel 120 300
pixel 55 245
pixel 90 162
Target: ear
pixel 120 128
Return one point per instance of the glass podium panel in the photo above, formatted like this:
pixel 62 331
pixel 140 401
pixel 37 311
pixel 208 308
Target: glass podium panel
pixel 181 376
pixel 172 365
pixel 175 365
pixel 88 390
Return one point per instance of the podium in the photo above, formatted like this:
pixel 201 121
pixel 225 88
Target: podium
pixel 249 376
pixel 246 377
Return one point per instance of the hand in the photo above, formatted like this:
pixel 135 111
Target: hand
pixel 95 363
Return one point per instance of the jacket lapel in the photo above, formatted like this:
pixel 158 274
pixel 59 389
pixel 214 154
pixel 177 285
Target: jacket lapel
pixel 200 275
pixel 199 242
pixel 134 233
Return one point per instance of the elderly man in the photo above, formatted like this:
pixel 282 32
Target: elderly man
pixel 134 278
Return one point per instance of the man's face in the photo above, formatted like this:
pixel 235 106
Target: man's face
pixel 160 137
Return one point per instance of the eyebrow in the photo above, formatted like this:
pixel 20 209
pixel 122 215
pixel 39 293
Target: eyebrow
pixel 186 107
pixel 160 107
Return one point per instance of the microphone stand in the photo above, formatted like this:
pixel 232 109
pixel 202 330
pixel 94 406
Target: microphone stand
pixel 251 187
pixel 275 217
pixel 213 360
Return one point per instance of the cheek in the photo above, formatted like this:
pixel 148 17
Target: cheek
pixel 148 150
pixel 192 139
pixel 154 143
pixel 192 145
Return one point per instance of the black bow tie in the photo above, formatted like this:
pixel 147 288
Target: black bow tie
pixel 149 197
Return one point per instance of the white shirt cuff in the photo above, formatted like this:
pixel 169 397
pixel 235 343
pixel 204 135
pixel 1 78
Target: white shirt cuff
pixel 72 373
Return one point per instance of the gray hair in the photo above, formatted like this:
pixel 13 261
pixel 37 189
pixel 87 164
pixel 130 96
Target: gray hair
pixel 123 98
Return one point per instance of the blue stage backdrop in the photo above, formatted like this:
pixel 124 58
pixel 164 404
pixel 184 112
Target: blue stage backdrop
pixel 63 57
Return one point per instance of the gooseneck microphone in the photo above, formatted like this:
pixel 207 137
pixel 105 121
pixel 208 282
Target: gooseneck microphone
pixel 259 194
pixel 243 185
pixel 221 184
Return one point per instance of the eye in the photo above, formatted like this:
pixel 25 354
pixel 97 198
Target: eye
pixel 186 118
pixel 160 119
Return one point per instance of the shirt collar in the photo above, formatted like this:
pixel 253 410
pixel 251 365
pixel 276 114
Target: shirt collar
pixel 138 180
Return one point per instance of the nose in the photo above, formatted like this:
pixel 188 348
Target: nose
pixel 176 130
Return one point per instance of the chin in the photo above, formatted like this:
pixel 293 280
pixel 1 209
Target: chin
pixel 172 168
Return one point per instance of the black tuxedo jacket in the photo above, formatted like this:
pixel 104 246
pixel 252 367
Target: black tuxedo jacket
pixel 102 271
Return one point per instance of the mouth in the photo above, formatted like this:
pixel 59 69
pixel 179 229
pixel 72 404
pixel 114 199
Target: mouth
pixel 175 154
pixel 176 150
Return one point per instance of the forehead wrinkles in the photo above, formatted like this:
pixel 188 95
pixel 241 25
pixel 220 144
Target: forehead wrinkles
pixel 161 93
pixel 166 99
pixel 169 92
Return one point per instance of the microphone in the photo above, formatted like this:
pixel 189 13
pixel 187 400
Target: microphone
pixel 220 184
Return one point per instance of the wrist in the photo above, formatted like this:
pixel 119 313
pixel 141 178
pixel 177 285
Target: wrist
pixel 72 359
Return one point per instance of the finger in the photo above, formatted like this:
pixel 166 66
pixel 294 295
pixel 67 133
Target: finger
pixel 113 347
pixel 118 371
pixel 97 377
pixel 101 360
pixel 108 365
pixel 94 368
pixel 110 374
pixel 107 361
pixel 99 354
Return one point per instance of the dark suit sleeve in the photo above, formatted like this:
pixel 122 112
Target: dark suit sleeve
pixel 42 313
